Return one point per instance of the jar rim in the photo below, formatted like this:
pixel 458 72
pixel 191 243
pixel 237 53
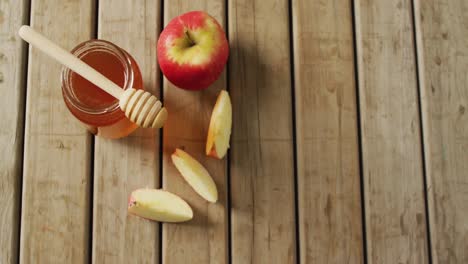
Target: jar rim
pixel 84 49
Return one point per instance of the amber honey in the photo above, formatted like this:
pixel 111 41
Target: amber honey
pixel 98 110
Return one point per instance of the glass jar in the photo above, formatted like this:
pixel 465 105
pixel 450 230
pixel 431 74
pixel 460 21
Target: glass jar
pixel 96 109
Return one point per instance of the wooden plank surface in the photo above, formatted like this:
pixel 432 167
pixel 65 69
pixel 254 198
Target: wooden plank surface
pixel 55 208
pixel 120 166
pixel 262 161
pixel 443 63
pixel 12 86
pixel 204 239
pixel 330 213
pixel 55 214
pixel 391 140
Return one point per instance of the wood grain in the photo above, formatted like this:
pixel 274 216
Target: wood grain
pixel 443 60
pixel 203 239
pixel 12 85
pixel 330 221
pixel 55 211
pixel 391 140
pixel 262 161
pixel 124 165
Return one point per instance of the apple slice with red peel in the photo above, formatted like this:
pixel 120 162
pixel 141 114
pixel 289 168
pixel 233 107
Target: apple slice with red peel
pixel 196 175
pixel 219 132
pixel 159 205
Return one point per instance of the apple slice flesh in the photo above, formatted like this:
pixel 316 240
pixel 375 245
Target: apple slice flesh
pixel 196 175
pixel 159 205
pixel 219 132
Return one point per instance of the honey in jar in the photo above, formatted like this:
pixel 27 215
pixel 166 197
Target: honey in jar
pixel 98 110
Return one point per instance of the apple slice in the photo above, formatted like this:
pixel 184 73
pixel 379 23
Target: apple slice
pixel 219 132
pixel 159 205
pixel 196 175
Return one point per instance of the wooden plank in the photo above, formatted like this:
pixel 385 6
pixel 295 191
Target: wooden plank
pixel 132 162
pixel 55 207
pixel 330 213
pixel 12 85
pixel 391 140
pixel 262 161
pixel 204 239
pixel 442 38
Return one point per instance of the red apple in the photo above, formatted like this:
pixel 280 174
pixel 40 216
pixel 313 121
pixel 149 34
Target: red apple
pixel 192 50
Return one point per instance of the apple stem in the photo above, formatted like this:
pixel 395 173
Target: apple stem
pixel 191 42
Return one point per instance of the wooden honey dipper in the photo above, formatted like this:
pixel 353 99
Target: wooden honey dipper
pixel 139 106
